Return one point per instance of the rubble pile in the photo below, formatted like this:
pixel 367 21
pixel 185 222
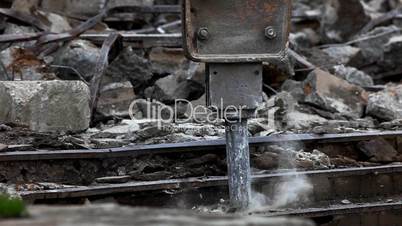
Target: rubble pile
pixel 343 74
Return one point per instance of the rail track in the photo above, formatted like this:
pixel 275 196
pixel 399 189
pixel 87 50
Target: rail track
pixel 208 145
pixel 195 183
pixel 351 195
pixel 370 191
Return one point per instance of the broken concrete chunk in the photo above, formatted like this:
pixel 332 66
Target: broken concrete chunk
pixel 296 120
pixel 78 56
pixel 46 106
pixel 133 67
pixel 126 127
pixel 171 88
pixel 372 44
pixel 342 19
pixel 152 110
pixel 197 110
pixel 295 88
pixel 326 91
pixel 266 161
pixel 386 105
pixel 392 58
pixel 377 6
pixel 318 57
pixel 109 142
pixel 354 76
pixel 199 130
pixel 317 159
pixel 5 128
pixel 167 60
pixel 3 147
pixel 23 64
pixel 115 99
pixel 305 38
pixel 344 54
pixel 11 28
pixel 153 131
pixel 393 125
pixel 57 23
pixel 378 150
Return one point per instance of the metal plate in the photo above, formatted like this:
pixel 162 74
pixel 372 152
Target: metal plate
pixel 238 85
pixel 236 29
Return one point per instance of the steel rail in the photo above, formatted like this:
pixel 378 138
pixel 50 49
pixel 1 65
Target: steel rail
pixel 208 145
pixel 139 40
pixel 193 183
pixel 362 208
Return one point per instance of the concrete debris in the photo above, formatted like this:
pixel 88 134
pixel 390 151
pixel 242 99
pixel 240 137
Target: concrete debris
pixel 295 88
pixel 45 106
pixel 344 54
pixel 393 125
pixel 386 105
pixel 55 22
pixel 342 19
pixel 11 28
pixel 371 45
pixel 300 121
pixel 305 38
pixel 379 6
pixel 328 92
pixel 265 161
pixel 346 202
pixel 76 59
pixel 23 64
pixel 170 88
pixel 3 147
pixel 154 110
pixel 5 128
pixel 344 126
pixel 288 158
pixel 165 60
pixel 378 150
pixel 197 110
pixel 391 59
pixel 133 67
pixel 313 160
pixel 152 132
pixel 199 130
pixel 109 142
pixel 354 76
pixel 258 125
pixel 115 99
pixel 318 58
pixel 125 127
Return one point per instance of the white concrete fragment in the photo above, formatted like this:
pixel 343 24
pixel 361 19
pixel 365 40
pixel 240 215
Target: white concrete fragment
pixel 46 106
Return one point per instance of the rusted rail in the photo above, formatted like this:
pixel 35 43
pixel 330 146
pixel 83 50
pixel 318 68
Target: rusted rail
pixel 208 145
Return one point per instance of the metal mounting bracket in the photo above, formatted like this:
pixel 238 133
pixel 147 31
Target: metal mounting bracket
pixel 224 31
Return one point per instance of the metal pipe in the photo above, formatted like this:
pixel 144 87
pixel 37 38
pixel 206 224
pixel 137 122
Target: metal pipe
pixel 238 161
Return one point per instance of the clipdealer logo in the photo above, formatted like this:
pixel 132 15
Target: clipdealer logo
pixel 162 114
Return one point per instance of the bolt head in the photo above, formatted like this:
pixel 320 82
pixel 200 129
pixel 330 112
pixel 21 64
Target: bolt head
pixel 203 33
pixel 270 32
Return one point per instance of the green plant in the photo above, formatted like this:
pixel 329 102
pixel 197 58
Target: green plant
pixel 11 207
